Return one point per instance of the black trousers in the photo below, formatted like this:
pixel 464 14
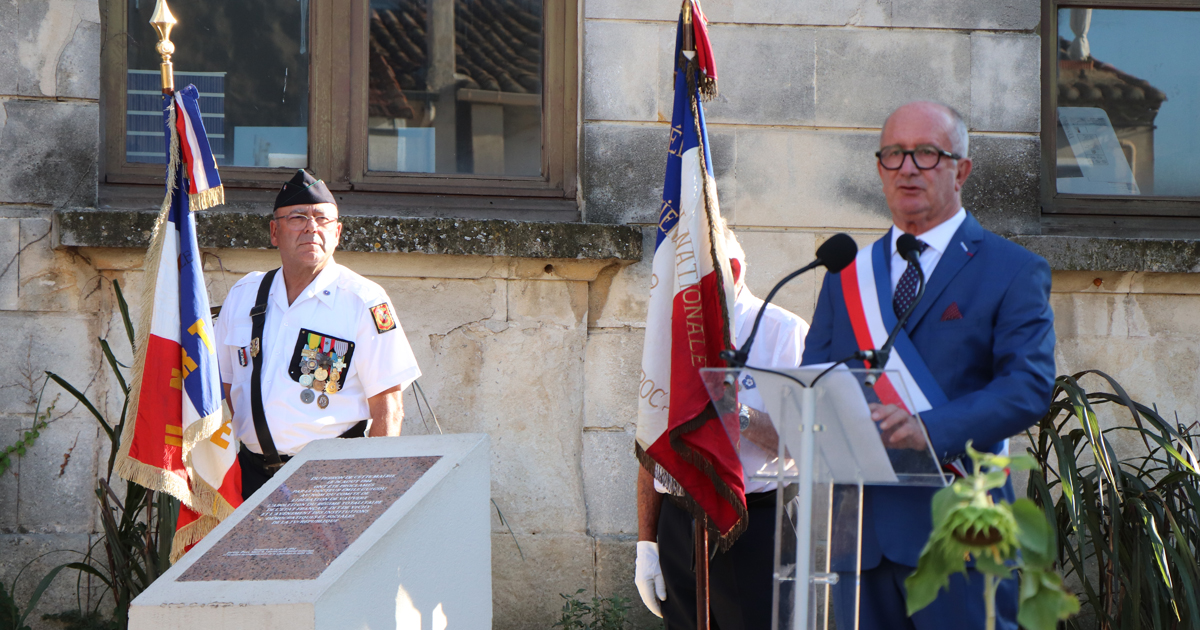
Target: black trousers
pixel 255 472
pixel 739 580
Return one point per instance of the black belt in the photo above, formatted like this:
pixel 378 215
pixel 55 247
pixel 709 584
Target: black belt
pixel 358 430
pixel 767 499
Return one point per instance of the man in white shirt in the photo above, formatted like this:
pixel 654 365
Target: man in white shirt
pixel 312 351
pixel 740 578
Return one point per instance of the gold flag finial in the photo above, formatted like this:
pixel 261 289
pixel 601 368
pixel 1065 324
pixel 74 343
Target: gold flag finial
pixel 162 21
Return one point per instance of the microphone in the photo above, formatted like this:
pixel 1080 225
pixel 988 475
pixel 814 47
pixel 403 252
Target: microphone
pixel 909 249
pixel 834 254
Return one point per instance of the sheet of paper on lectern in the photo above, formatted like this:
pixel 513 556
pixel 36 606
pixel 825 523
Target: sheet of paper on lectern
pixel 849 442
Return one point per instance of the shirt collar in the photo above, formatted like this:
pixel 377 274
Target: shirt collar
pixel 323 287
pixel 939 237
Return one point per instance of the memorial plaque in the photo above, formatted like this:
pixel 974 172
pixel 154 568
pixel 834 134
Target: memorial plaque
pixel 310 519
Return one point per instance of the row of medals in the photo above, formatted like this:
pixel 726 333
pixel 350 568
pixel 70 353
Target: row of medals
pixel 318 371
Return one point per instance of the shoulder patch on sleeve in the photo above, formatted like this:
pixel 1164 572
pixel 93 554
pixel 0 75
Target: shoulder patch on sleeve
pixel 383 317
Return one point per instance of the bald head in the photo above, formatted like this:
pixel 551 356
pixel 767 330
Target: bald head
pixel 955 127
pixel 923 197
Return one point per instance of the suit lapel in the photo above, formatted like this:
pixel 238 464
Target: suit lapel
pixel 958 253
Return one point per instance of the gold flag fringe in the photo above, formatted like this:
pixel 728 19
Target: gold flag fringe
pixel 207 199
pixel 191 534
pixel 708 88
pixel 207 499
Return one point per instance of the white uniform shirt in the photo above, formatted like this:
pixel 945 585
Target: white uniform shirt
pixel 779 344
pixel 938 240
pixel 337 304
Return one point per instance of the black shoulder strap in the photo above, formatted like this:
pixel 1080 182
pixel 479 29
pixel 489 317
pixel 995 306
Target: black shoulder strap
pixel 258 318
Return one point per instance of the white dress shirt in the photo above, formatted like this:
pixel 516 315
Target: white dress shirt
pixel 938 240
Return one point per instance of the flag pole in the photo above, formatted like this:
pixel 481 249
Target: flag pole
pixel 700 536
pixel 163 21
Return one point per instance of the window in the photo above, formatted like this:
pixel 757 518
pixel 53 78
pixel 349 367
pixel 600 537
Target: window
pixel 462 97
pixel 1121 130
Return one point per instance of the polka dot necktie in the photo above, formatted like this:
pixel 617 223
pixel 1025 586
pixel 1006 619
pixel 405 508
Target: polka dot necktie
pixel 906 289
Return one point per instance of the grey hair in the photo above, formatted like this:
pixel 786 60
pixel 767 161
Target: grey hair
pixel 960 141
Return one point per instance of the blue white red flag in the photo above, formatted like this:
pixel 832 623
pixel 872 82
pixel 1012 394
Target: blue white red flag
pixel 679 435
pixel 179 440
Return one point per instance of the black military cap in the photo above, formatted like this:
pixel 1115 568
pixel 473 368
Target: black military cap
pixel 303 189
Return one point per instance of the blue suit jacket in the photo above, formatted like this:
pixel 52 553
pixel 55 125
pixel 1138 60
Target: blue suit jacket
pixel 995 365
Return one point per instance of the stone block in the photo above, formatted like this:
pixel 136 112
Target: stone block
pixel 1003 189
pixel 631 10
pixel 1006 82
pixel 771 255
pixel 12 428
pixel 1168 316
pixel 863 75
pixel 618 297
pixel 612 368
pixel 48 153
pixel 37 554
pixel 627 164
pixel 722 12
pixel 1153 371
pixel 548 303
pixel 1167 283
pixel 437 306
pixel 523 386
pixel 54 280
pixel 45 29
pixel 78 72
pixel 624 179
pixel 1020 15
pixel 769 80
pixel 615 556
pixel 526 584
pixel 10 238
pixel 58 478
pixel 621 70
pixel 808 179
pixel 61 343
pixel 610 482
pixel 9 72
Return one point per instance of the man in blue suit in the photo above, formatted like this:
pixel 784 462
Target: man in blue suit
pixel 984 331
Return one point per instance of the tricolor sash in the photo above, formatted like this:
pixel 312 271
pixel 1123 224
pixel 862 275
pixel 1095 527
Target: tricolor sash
pixel 865 298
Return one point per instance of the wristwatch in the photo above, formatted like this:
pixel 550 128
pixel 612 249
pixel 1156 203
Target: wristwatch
pixel 744 417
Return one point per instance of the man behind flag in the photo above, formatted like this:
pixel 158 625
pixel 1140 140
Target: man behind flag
pixel 680 440
pixel 177 441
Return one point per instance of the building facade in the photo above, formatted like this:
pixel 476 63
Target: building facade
pixel 526 309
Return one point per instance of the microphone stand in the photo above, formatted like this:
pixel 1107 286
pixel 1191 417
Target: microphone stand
pixel 878 358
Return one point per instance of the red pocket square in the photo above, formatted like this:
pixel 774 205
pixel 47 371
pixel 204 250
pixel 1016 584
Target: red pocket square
pixel 952 312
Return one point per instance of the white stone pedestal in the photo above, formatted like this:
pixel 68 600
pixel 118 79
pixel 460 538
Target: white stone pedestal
pixel 364 533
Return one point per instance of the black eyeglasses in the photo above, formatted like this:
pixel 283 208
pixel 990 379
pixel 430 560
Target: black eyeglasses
pixel 924 157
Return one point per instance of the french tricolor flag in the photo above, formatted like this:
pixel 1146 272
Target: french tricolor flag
pixel 688 323
pixel 179 440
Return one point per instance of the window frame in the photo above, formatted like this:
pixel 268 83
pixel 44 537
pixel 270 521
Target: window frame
pixel 1084 210
pixel 337 129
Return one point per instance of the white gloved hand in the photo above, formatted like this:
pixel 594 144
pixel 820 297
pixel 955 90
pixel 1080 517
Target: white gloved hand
pixel 647 575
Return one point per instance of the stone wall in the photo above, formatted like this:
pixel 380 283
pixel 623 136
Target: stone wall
pixel 546 359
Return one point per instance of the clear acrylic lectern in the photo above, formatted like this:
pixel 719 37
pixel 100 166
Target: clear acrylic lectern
pixel 829 450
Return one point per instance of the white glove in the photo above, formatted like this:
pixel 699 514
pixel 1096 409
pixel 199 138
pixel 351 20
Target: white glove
pixel 647 575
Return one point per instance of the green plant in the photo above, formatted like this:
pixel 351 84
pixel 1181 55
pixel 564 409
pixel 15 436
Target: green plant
pixel 41 419
pixel 1128 523
pixel 969 524
pixel 602 613
pixel 138 531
